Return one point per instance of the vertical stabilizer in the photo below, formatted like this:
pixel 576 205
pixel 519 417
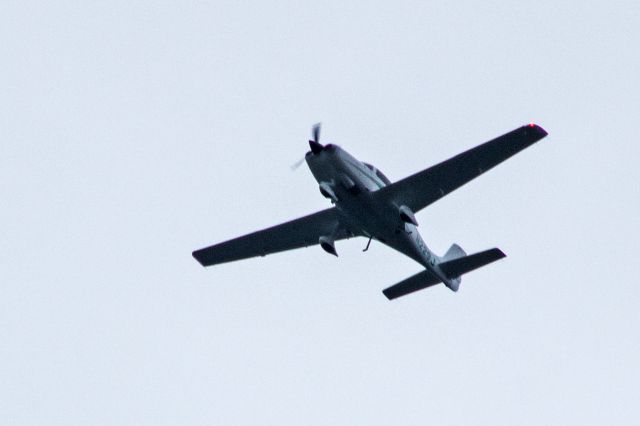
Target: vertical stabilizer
pixel 454 252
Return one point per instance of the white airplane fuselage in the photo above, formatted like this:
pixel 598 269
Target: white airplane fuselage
pixel 349 183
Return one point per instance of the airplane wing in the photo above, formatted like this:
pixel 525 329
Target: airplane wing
pixel 423 188
pixel 297 233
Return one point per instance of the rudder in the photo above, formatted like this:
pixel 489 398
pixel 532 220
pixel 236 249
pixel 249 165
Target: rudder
pixel 454 252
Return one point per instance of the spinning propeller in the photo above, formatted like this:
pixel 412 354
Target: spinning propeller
pixel 314 144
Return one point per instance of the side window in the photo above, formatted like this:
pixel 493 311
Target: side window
pixel 383 177
pixel 378 173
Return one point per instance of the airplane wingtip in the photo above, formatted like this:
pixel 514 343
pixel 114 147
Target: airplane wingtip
pixel 387 294
pixel 537 129
pixel 197 256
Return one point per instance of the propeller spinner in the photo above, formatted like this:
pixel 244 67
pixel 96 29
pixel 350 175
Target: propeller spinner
pixel 316 147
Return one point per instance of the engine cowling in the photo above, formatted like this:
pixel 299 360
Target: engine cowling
pixel 349 184
pixel 407 216
pixel 327 191
pixel 328 245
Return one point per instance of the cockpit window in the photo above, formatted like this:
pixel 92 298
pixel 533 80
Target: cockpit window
pixel 378 173
pixel 383 177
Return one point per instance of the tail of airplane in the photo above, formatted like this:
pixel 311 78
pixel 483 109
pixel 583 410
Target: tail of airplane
pixel 454 252
pixel 453 264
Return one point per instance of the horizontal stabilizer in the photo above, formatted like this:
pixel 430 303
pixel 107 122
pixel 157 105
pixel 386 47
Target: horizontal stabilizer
pixel 416 282
pixel 455 268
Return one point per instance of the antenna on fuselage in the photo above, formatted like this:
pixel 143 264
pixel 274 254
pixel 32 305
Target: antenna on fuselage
pixel 368 244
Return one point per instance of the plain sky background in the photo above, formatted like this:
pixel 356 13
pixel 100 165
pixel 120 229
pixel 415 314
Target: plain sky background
pixel 132 133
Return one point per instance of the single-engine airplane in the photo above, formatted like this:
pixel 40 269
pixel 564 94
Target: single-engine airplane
pixel 366 203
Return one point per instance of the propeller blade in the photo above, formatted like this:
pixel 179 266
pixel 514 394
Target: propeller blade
pixel 297 164
pixel 316 132
pixel 314 144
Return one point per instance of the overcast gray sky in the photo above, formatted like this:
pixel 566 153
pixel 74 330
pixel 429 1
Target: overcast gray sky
pixel 132 133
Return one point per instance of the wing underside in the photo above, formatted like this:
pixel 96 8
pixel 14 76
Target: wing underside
pixel 423 188
pixel 301 232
